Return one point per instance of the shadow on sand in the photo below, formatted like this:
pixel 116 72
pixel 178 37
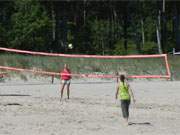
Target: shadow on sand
pixel 9 95
pixel 140 123
pixel 13 104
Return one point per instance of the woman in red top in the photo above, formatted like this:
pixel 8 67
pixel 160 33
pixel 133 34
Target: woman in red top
pixel 66 80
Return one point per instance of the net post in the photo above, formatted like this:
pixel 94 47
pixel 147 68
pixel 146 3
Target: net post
pixel 167 67
pixel 52 77
pixel 116 76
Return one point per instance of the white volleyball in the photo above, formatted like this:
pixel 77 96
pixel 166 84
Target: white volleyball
pixel 70 46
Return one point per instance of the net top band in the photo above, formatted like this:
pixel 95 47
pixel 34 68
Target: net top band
pixel 83 56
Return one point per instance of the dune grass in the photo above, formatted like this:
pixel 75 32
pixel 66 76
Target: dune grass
pixel 150 66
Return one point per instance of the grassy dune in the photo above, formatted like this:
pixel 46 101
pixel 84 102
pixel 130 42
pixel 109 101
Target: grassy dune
pixel 98 66
pixel 174 62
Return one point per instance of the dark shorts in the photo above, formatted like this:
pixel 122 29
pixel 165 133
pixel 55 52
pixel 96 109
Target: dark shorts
pixel 125 108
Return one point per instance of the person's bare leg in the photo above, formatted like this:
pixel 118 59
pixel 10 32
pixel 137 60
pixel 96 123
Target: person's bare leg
pixel 126 122
pixel 62 89
pixel 68 91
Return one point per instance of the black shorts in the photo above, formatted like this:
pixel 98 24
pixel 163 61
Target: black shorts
pixel 125 108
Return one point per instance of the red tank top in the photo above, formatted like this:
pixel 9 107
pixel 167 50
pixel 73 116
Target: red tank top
pixel 65 74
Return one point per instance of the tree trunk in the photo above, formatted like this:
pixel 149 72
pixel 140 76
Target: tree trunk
pixel 158 34
pixel 163 28
pixel 158 40
pixel 125 26
pixel 84 12
pixel 142 32
pixel 177 25
pixel 53 22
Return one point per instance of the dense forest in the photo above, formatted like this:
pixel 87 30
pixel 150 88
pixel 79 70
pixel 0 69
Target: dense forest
pixel 103 27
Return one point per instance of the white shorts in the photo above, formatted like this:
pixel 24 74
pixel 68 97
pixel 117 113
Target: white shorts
pixel 66 81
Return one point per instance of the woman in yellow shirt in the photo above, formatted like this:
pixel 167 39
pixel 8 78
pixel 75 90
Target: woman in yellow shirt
pixel 124 94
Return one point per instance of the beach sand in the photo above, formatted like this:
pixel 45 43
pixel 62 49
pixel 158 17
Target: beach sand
pixel 34 108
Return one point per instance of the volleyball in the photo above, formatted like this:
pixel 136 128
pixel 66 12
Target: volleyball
pixel 70 46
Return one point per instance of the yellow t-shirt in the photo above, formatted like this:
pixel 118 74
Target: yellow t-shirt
pixel 123 93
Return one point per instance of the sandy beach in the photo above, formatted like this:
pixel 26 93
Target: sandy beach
pixel 34 108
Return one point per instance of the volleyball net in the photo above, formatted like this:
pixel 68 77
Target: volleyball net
pixel 86 66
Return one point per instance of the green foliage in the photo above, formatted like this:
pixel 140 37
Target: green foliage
pixel 150 48
pixel 99 30
pixel 92 27
pixel 104 36
pixel 119 48
pixel 30 26
pixel 150 29
pixel 3 33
